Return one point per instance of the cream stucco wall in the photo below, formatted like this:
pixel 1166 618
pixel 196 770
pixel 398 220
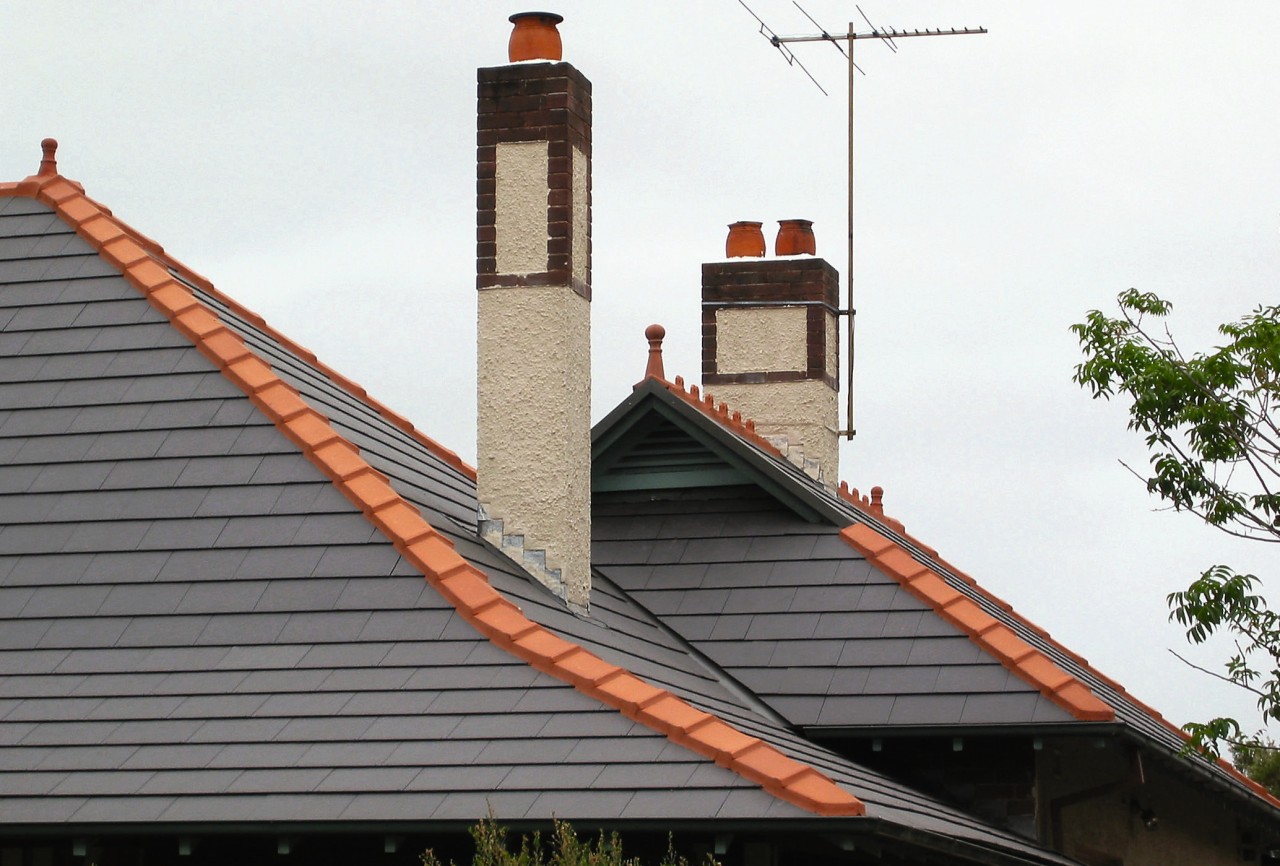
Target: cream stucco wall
pixel 755 339
pixel 580 247
pixel 833 349
pixel 520 207
pixel 533 425
pixel 1194 827
pixel 805 412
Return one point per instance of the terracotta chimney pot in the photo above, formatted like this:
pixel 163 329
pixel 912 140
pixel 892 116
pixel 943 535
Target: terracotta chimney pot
pixel 745 240
pixel 795 237
pixel 535 37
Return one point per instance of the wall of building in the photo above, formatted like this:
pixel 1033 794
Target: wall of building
pixel 1190 826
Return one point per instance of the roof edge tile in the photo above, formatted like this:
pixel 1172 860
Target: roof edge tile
pixel 1055 684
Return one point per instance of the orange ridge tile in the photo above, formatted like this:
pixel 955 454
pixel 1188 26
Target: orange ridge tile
pixel 1055 684
pixel 706 404
pixel 453 577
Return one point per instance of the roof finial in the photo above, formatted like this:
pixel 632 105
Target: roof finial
pixel 655 334
pixel 877 499
pixel 49 157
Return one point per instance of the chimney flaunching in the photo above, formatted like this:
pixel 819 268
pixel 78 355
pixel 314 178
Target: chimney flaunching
pixel 769 347
pixel 533 276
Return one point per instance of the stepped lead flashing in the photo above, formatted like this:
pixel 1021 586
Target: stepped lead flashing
pixel 460 583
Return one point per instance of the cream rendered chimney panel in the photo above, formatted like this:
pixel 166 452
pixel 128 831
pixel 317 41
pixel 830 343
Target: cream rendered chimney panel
pixel 760 339
pixel 832 347
pixel 580 251
pixel 520 207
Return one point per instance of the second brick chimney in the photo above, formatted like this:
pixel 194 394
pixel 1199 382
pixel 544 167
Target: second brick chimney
pixel 533 276
pixel 769 349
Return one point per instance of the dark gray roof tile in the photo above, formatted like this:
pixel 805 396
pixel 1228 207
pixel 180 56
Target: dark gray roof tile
pixel 160 757
pixel 162 631
pixel 235 730
pixel 302 704
pixel 654 804
pixel 64 600
pixel 350 755
pixel 368 778
pixel 32 810
pixel 23 635
pixel 85 758
pixel 211 597
pixel 244 630
pixel 927 709
pixel 390 807
pixel 353 728
pixel 332 655
pixel 294 595
pixel 267 755
pixel 439 752
pixel 85 632
pixel 188 781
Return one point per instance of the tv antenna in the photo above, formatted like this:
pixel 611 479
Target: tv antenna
pixel 886 35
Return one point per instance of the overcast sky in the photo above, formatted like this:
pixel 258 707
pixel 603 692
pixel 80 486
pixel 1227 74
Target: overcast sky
pixel 316 161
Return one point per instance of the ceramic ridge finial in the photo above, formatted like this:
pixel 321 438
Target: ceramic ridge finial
pixel 48 157
pixel 655 335
pixel 877 499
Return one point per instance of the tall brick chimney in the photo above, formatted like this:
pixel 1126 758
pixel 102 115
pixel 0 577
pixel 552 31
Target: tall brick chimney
pixel 533 276
pixel 770 349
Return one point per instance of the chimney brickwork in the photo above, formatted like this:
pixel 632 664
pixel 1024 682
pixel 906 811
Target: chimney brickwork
pixel 533 279
pixel 770 349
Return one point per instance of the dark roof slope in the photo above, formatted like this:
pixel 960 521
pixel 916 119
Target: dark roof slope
pixel 198 626
pixel 265 649
pixel 800 617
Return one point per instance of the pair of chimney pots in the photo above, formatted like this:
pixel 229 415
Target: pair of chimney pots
pixel 746 239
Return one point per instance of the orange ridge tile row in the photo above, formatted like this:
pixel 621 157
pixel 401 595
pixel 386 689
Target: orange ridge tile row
pixel 1152 712
pixel 459 582
pixel 985 630
pixel 721 413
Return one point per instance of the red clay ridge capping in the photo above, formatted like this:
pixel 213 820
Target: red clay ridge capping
pixel 983 629
pixel 704 403
pixel 874 505
pixel 459 582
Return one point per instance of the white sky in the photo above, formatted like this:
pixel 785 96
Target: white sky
pixel 316 161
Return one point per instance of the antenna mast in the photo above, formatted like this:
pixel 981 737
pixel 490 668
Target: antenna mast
pixel 886 35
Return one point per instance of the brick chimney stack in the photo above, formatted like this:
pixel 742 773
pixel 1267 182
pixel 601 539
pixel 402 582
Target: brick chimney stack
pixel 533 276
pixel 770 345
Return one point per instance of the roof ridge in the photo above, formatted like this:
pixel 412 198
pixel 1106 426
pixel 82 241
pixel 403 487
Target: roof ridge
pixel 705 402
pixel 458 581
pixel 1032 665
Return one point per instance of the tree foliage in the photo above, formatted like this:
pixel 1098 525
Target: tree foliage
pixel 1212 430
pixel 564 848
pixel 1260 762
